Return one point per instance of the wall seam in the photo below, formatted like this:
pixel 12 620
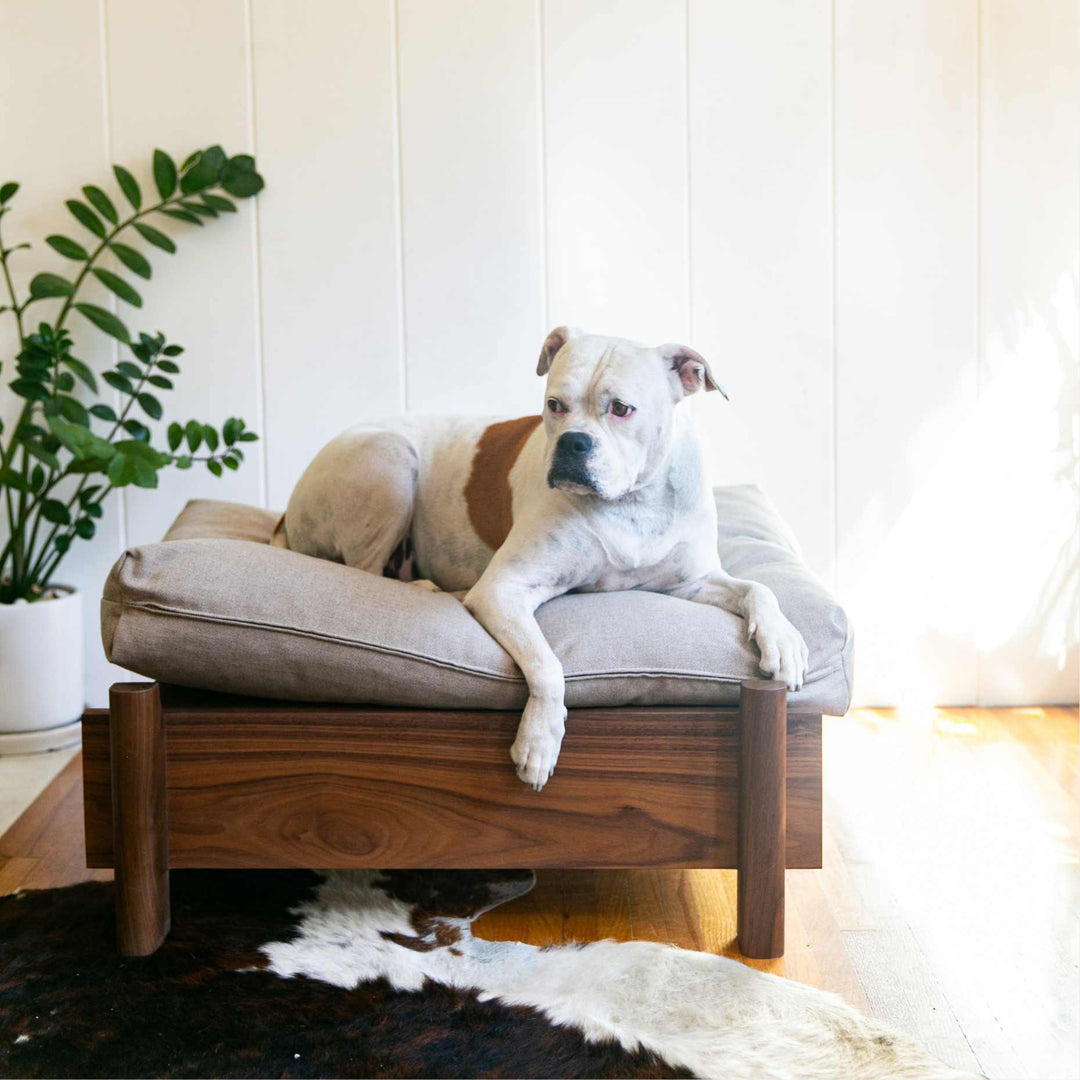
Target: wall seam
pixel 689 225
pixel 545 282
pixel 399 199
pixel 833 302
pixel 979 314
pixel 114 346
pixel 256 251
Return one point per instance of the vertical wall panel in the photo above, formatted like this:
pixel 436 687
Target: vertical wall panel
pixel 470 160
pixel 615 133
pixel 906 126
pixel 1029 394
pixel 761 251
pixel 179 79
pixel 328 225
pixel 52 130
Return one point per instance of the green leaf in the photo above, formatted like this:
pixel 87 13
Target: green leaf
pixel 183 462
pixel 231 463
pixel 211 437
pixel 160 381
pixel 81 370
pixel 145 475
pixel 101 203
pixel 105 320
pixel 175 436
pixel 229 430
pixel 119 286
pixel 43 455
pixel 214 466
pixel 94 510
pixel 199 208
pixel 37 478
pixel 136 430
pixel 173 350
pixel 30 389
pixel 118 382
pixel 219 202
pixel 164 173
pixel 183 215
pixel 153 236
pixel 132 259
pixel 169 366
pixel 87 494
pixel 45 285
pixel 128 186
pixel 103 412
pixel 55 511
pixel 86 217
pixel 65 381
pixel 126 367
pixel 151 405
pixel 190 160
pixel 10 478
pixel 248 436
pixel 204 172
pixel 63 543
pixel 68 248
pixel 239 177
pixel 7 191
pixel 85 528
pixel 73 410
pixel 121 471
pixel 194 433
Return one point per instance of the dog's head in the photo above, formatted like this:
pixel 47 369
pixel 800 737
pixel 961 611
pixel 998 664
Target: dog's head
pixel 610 407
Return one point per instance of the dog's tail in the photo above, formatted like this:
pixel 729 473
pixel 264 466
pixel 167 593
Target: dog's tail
pixel 281 537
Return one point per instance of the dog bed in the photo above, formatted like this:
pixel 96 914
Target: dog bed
pixel 215 606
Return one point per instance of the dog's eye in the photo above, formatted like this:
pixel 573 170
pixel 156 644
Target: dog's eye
pixel 556 406
pixel 620 408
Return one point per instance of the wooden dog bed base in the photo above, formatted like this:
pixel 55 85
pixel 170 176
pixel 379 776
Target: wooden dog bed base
pixel 176 778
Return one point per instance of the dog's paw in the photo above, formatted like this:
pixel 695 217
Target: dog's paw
pixel 427 586
pixel 536 748
pixel 784 654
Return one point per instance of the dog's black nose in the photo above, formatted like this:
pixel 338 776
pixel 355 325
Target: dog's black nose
pixel 576 443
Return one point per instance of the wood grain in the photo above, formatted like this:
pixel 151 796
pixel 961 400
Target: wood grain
pixel 978 858
pixel 270 784
pixel 140 830
pixel 762 817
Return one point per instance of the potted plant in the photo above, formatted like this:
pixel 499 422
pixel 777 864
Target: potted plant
pixel 75 440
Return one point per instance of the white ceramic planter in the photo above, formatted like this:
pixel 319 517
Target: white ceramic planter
pixel 41 673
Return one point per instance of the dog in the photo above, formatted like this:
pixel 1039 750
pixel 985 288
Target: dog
pixel 607 489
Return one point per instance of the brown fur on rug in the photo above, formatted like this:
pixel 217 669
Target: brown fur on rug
pixel 292 974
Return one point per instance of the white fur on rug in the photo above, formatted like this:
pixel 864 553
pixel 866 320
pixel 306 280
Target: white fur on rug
pixel 709 1014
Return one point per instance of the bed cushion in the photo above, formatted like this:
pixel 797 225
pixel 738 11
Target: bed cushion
pixel 215 606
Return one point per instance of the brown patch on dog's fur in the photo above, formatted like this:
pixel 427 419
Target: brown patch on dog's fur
pixel 487 491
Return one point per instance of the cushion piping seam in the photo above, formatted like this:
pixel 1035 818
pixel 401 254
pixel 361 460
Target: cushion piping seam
pixel 161 609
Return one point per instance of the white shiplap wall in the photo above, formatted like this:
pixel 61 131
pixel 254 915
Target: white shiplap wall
pixel 865 214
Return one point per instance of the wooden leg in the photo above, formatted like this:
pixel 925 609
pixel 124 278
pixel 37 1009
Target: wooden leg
pixel 140 825
pixel 762 817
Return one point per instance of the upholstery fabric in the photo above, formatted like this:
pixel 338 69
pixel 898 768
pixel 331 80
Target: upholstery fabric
pixel 214 605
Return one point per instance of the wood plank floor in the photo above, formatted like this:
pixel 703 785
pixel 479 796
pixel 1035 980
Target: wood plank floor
pixel 947 906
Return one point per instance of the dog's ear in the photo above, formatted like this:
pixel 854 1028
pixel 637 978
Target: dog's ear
pixel 691 369
pixel 552 344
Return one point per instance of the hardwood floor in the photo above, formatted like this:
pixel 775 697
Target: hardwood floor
pixel 947 904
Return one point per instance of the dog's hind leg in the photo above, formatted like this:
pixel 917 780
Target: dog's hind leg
pixel 354 503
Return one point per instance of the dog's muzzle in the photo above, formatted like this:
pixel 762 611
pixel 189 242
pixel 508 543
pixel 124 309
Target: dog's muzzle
pixel 569 464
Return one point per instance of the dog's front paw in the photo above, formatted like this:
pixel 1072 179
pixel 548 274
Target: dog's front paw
pixel 784 654
pixel 536 748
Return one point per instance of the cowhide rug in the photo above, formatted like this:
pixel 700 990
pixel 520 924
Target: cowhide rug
pixel 367 974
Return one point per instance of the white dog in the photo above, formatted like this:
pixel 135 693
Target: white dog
pixel 607 490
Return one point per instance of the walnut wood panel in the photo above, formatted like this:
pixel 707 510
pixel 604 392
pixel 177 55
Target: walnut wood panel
pixel 274 784
pixel 762 817
pixel 140 841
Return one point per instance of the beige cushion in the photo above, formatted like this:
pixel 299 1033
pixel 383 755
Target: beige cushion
pixel 215 606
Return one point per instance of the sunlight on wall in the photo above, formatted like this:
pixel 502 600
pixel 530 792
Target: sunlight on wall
pixel 986 549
